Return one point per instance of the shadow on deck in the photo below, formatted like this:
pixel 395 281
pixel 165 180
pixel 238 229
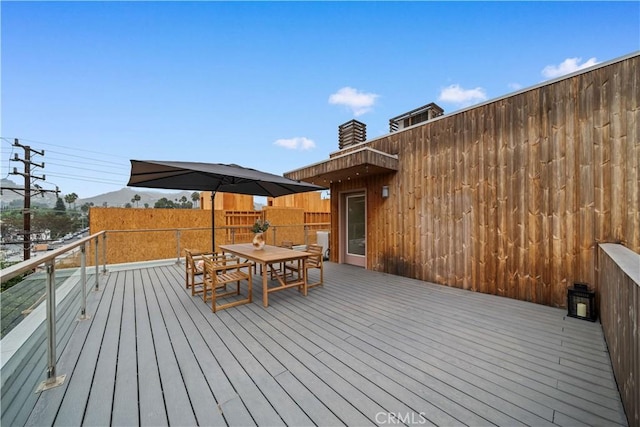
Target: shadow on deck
pixel 366 348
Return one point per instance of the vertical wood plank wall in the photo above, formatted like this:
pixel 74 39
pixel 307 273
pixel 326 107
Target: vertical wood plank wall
pixel 620 317
pixel 512 197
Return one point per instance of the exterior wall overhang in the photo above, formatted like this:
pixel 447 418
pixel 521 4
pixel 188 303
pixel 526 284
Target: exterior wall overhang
pixel 358 163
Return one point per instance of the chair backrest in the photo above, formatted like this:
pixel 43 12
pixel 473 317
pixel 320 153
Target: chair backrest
pixel 314 260
pixel 195 259
pixel 189 259
pixel 209 265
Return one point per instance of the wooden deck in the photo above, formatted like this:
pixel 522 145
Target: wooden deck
pixel 367 348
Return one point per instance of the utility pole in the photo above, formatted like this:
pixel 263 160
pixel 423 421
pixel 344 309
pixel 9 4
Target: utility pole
pixel 28 164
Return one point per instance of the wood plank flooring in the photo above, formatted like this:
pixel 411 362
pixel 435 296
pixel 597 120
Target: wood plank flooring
pixel 366 348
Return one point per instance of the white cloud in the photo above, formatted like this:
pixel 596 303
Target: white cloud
pixel 358 102
pixel 515 86
pixel 464 97
pixel 567 66
pixel 297 143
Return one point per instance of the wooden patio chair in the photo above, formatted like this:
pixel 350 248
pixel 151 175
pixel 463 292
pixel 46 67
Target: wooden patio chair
pixel 314 261
pixel 194 269
pixel 218 273
pixel 281 269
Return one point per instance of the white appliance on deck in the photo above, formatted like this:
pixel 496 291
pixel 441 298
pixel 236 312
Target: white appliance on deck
pixel 323 240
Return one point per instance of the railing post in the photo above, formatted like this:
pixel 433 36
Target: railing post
pixel 233 236
pixel 52 380
pixel 306 235
pixel 97 264
pixel 274 236
pixel 178 246
pixel 83 281
pixel 104 253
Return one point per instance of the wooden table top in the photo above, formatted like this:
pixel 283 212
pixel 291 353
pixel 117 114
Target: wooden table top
pixel 267 255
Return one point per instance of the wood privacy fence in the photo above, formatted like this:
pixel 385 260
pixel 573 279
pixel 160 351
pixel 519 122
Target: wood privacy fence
pixel 618 279
pixel 511 197
pixel 151 234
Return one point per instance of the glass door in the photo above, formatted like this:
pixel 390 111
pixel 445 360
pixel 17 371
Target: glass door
pixel 355 229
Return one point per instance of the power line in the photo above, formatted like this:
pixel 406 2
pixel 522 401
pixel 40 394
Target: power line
pixel 70 148
pixel 86 158
pixel 67 164
pixel 86 178
pixel 71 165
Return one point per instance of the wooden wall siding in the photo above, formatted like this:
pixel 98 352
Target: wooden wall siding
pixel 322 218
pixel 310 201
pixel 511 198
pixel 226 201
pixel 620 317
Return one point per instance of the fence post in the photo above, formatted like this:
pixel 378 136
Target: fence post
pixel 233 236
pixel 274 236
pixel 83 281
pixel 306 235
pixel 178 246
pixel 52 380
pixel 104 253
pixel 97 264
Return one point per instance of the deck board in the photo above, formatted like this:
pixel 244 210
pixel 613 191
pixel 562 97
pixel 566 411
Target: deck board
pixel 125 407
pixel 89 333
pixel 363 346
pixel 447 322
pixel 178 324
pixel 402 385
pixel 229 351
pixel 176 399
pixel 100 402
pixel 152 412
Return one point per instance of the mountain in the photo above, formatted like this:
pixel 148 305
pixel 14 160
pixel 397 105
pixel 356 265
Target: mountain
pixel 112 199
pixel 7 195
pixel 121 197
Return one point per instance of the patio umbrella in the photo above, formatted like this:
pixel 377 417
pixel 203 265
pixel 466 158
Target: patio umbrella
pixel 214 177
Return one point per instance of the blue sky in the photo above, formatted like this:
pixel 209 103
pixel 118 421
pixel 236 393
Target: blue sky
pixel 266 84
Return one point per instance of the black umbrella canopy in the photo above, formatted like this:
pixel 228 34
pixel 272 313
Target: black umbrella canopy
pixel 213 177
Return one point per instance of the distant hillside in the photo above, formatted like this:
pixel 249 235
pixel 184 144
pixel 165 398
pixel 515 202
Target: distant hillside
pixel 8 196
pixel 112 199
pixel 121 197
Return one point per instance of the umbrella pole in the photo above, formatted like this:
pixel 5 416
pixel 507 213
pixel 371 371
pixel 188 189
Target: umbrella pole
pixel 213 222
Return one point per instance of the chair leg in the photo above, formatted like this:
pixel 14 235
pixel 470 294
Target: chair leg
pixel 204 291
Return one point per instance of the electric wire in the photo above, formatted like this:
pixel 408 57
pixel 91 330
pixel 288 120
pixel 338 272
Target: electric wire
pixel 64 162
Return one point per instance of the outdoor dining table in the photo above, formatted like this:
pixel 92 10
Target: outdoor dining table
pixel 267 257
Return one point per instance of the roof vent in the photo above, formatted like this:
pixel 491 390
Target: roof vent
pixel 419 115
pixel 351 133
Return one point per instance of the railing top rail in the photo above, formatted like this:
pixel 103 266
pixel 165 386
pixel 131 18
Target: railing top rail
pixel 30 264
pixel 627 260
pixel 221 227
pixel 139 230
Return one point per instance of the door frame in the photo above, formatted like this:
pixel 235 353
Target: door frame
pixel 357 260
